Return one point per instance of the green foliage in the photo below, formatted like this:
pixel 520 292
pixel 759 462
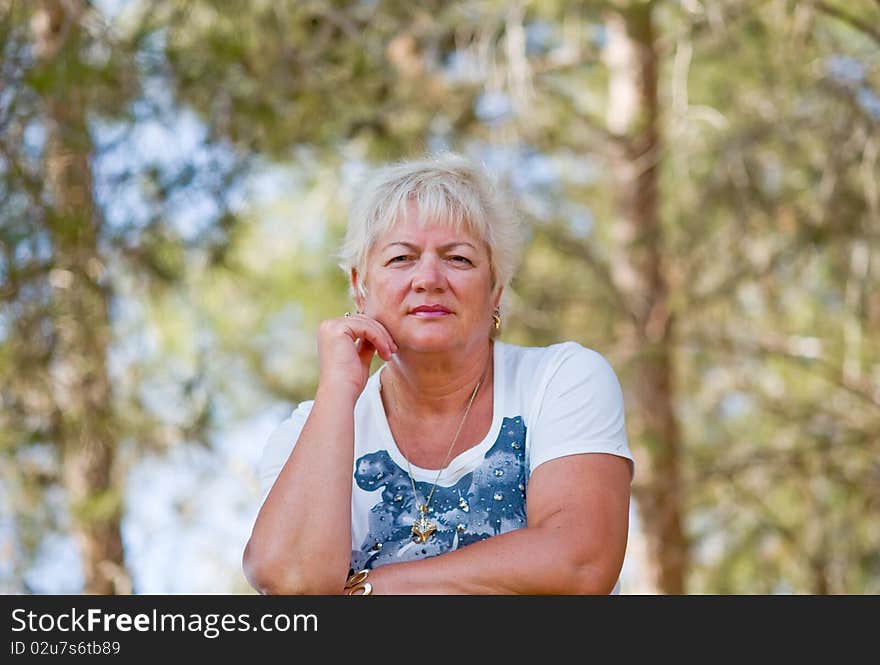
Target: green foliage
pixel 768 206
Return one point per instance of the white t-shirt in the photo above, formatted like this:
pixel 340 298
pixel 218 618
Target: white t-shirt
pixel 548 402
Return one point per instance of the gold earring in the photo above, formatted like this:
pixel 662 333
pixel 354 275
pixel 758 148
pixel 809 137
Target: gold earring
pixel 496 319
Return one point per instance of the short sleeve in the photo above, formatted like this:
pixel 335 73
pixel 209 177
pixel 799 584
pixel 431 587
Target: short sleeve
pixel 278 447
pixel 581 409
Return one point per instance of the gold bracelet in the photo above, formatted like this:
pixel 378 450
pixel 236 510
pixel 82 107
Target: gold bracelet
pixel 357 585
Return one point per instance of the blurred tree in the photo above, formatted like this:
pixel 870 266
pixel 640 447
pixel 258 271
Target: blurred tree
pixel 714 257
pixel 700 182
pixel 66 78
pixel 778 158
pixel 686 259
pixel 79 305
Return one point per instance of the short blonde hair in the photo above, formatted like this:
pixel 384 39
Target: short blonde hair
pixel 444 186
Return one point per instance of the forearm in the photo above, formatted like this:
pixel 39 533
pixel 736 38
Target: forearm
pixel 301 541
pixel 530 561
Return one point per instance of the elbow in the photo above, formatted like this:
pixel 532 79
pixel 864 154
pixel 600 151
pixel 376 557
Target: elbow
pixel 268 575
pixel 592 570
pixel 272 575
pixel 595 584
pixel 595 577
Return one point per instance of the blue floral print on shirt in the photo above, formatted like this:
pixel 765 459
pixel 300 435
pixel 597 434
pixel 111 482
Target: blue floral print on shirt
pixel 488 501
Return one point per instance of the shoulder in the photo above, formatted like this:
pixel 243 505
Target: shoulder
pixel 565 358
pixel 579 406
pixel 289 427
pixel 280 444
pixel 587 362
pixel 559 349
pixel 577 369
pixel 291 424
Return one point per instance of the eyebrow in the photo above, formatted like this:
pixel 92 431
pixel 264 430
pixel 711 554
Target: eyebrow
pixel 445 247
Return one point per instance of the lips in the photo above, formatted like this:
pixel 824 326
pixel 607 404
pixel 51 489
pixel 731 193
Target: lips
pixel 435 310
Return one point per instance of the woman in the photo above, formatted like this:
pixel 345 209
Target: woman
pixel 463 465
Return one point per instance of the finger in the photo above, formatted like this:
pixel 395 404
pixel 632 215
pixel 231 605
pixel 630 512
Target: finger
pixel 383 351
pixel 392 345
pixel 386 337
pixel 365 350
pixel 360 325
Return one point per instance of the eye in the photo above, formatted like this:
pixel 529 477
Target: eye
pixel 461 259
pixel 398 259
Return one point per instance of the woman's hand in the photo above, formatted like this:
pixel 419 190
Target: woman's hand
pixel 345 350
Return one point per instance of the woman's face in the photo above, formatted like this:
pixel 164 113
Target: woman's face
pixel 430 286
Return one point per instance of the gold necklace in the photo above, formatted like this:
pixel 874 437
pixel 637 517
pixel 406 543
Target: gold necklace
pixel 423 528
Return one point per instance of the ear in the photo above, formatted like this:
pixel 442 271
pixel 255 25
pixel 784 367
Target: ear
pixel 356 289
pixel 496 299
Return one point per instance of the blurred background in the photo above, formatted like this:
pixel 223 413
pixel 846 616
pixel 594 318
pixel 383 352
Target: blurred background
pixel 700 183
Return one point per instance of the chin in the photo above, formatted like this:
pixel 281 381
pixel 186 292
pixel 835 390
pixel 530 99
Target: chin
pixel 425 341
pixel 432 346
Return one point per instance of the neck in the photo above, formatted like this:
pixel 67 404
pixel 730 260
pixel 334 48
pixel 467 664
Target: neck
pixel 433 384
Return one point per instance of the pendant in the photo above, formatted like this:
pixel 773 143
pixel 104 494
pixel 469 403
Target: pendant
pixel 422 528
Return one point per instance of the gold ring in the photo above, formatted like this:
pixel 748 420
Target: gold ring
pixel 357 578
pixel 366 588
pixel 357 585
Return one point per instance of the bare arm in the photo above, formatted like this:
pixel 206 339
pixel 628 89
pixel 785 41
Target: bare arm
pixel 301 540
pixel 578 516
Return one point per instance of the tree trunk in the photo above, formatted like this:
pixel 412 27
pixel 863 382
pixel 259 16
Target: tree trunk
pixel 638 272
pixel 81 384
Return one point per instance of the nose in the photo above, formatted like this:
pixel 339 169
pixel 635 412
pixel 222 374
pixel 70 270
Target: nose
pixel 428 275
